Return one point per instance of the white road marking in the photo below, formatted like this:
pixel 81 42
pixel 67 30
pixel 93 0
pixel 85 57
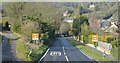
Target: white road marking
pixel 85 54
pixel 44 55
pixel 96 60
pixel 64 53
pixel 55 53
pixel 66 58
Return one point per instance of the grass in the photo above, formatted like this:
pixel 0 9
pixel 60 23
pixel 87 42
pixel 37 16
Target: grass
pixel 87 51
pixel 37 53
pixel 22 51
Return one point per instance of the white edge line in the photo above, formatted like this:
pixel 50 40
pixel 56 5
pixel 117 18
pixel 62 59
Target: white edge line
pixel 96 60
pixel 84 54
pixel 87 55
pixel 44 55
pixel 66 58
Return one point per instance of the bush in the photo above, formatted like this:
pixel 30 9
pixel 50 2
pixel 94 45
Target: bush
pixel 85 39
pixel 109 39
pixel 81 38
pixel 90 39
pixel 100 38
pixel 16 28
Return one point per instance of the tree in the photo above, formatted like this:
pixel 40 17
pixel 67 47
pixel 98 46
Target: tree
pixel 76 12
pixel 84 29
pixel 42 13
pixel 85 32
pixel 65 27
pixel 13 9
pixel 28 28
pixel 77 23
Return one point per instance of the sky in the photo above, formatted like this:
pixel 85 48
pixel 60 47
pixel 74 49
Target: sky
pixel 59 0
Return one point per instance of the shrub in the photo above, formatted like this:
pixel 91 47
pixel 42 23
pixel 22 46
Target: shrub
pixel 81 38
pixel 85 39
pixel 109 39
pixel 90 39
pixel 16 28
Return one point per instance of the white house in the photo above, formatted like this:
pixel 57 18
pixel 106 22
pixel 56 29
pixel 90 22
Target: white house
pixel 69 20
pixel 113 28
pixel 92 6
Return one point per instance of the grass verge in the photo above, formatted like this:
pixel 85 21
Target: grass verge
pixel 87 51
pixel 22 51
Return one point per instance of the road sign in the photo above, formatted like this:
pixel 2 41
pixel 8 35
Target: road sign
pixel 94 38
pixel 35 36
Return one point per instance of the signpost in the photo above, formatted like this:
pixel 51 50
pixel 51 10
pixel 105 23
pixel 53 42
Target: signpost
pixel 35 37
pixel 95 40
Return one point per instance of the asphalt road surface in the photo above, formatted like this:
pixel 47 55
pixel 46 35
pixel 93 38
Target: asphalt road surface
pixel 8 47
pixel 63 51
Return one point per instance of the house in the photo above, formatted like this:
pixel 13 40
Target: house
pixel 67 12
pixel 113 27
pixel 69 20
pixel 104 24
pixel 92 6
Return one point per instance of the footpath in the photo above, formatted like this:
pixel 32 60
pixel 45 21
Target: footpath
pixel 9 47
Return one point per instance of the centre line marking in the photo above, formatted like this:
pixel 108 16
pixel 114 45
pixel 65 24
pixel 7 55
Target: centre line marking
pixel 64 52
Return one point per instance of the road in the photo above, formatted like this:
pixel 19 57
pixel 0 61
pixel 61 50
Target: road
pixel 63 51
pixel 8 47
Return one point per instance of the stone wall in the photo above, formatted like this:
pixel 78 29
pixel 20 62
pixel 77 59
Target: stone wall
pixel 104 47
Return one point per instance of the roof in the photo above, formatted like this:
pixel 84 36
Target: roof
pixel 104 24
pixel 68 19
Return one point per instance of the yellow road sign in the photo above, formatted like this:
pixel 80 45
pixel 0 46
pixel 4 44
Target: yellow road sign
pixel 94 37
pixel 35 36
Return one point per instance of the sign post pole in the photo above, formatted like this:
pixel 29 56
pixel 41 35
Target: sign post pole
pixel 95 40
pixel 35 37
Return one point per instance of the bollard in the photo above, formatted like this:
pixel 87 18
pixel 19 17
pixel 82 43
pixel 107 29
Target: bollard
pixel 104 54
